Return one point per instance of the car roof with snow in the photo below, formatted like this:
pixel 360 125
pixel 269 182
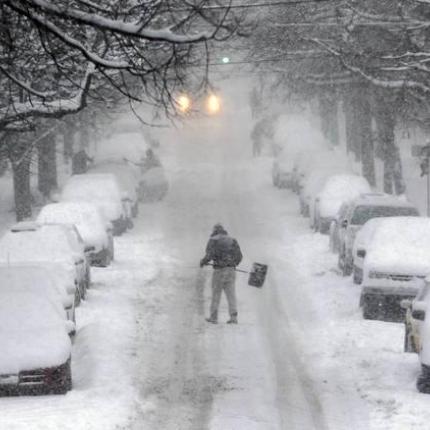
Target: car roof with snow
pixel 33 332
pixel 344 186
pixel 39 279
pixel 44 243
pixel 70 212
pixel 400 245
pixel 94 185
pixel 365 234
pixel 375 199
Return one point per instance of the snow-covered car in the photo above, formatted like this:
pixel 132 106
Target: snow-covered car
pixel 361 209
pixel 312 186
pixel 335 231
pixel 95 231
pixel 35 344
pixel 417 332
pixel 153 185
pixel 282 171
pixel 311 169
pixel 396 263
pixel 38 279
pixel 416 310
pixel 361 242
pixel 32 243
pixel 337 190
pixel 103 190
pixel 127 176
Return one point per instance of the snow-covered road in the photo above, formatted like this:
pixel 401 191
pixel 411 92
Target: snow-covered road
pixel 301 356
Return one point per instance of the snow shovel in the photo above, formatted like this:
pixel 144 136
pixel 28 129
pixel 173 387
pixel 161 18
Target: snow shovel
pixel 257 275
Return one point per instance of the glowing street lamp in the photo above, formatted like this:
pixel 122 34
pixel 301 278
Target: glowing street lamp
pixel 213 104
pixel 225 60
pixel 184 103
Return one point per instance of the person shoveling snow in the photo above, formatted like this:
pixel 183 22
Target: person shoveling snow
pixel 225 254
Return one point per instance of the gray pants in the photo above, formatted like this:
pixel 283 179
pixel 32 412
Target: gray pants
pixel 223 279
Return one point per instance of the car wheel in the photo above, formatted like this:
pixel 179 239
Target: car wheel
pixel 65 384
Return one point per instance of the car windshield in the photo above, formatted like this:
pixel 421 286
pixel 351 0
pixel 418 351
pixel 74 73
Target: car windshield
pixel 362 214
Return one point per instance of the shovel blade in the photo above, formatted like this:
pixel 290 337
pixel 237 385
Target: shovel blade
pixel 257 275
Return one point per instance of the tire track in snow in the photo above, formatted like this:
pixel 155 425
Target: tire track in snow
pixel 173 378
pixel 298 404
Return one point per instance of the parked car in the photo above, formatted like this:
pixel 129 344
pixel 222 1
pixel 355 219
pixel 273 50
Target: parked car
pixel 95 231
pixel 417 331
pixel 396 262
pixel 312 186
pixel 337 190
pixel 39 280
pixel 361 209
pixel 35 354
pixel 127 176
pixel 103 191
pixel 282 171
pixel 29 242
pixel 319 164
pixel 416 310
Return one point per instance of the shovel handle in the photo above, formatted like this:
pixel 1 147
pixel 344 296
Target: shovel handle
pixel 237 270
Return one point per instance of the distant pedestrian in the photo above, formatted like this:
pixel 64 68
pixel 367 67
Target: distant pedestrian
pixel 225 254
pixel 80 162
pixel 149 161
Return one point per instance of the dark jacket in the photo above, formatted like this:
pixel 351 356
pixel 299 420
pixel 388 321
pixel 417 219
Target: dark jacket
pixel 223 251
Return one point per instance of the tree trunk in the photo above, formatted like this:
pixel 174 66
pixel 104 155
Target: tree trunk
pixel 386 122
pixel 351 131
pixel 363 122
pixel 47 164
pixel 329 116
pixel 21 187
pixel 68 132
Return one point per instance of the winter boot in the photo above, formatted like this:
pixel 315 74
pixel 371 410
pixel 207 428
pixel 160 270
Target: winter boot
pixel 233 319
pixel 213 318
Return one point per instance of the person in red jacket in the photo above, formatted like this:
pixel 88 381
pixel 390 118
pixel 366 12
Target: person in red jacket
pixel 225 254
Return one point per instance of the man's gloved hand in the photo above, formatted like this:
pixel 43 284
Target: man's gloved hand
pixel 202 262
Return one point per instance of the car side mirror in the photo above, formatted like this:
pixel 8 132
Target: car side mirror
pixel 361 253
pixel 418 314
pixel 344 223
